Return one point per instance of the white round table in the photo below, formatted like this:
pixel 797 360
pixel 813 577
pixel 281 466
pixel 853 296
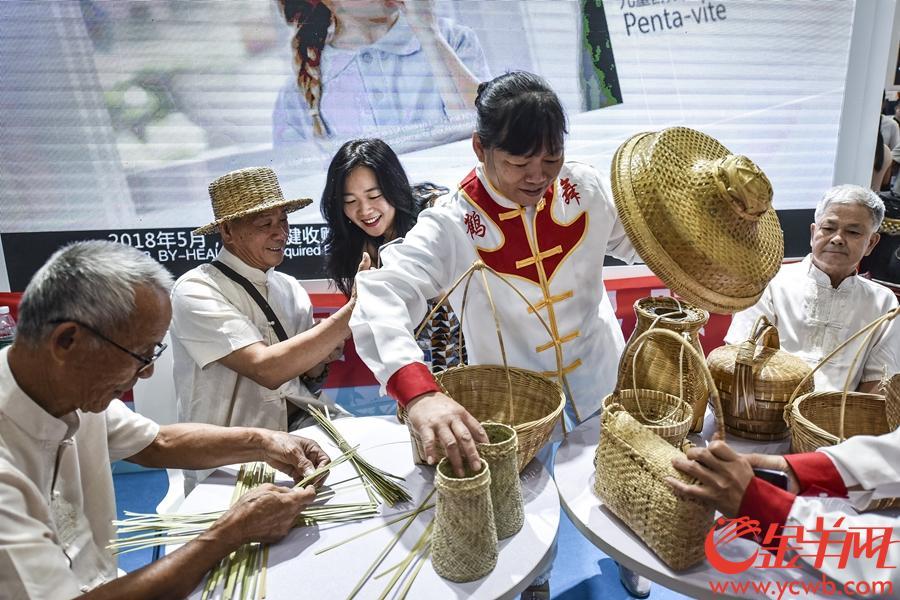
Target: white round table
pixel 574 473
pixel 295 570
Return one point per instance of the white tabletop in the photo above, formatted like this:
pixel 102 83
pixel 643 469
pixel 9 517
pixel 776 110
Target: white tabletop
pixel 294 567
pixel 574 473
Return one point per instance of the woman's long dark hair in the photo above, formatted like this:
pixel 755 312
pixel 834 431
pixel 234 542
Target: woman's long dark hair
pixel 345 241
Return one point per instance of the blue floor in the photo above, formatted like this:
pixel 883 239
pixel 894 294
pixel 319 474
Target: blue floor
pixel 580 570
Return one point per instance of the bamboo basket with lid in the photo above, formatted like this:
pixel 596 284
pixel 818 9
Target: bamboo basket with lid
pixel 826 418
pixel 755 380
pixel 525 400
pixel 663 366
pixel 700 217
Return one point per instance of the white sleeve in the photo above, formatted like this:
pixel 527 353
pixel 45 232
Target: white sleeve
pixel 814 516
pixel 392 301
pixel 872 462
pixel 207 325
pixel 127 432
pixel 742 322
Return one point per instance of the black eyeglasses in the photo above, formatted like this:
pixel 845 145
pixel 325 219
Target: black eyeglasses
pixel 145 361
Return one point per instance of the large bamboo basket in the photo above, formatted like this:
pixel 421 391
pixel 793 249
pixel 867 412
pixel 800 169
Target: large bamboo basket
pixel 523 399
pixel 755 383
pixel 632 464
pixel 892 401
pixel 662 365
pixel 819 419
pixel 665 414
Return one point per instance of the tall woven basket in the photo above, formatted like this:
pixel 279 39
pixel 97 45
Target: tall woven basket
pixel 820 419
pixel 667 415
pixel 755 383
pixel 663 366
pixel 632 464
pixel 523 399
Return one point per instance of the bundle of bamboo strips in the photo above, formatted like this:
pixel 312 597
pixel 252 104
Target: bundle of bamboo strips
pixel 385 484
pixel 245 569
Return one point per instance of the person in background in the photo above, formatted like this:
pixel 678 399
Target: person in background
pixel 361 65
pixel 538 220
pixel 820 302
pixel 862 468
pixel 91 323
pixel 246 350
pixel 368 202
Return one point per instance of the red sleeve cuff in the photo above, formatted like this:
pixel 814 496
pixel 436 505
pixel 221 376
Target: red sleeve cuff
pixel 816 474
pixel 766 503
pixel 410 382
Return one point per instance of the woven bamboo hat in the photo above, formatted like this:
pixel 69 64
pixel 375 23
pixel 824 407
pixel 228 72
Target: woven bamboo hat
pixel 246 192
pixel 699 216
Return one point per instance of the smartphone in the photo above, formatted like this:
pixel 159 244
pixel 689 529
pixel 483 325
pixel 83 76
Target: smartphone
pixel 776 478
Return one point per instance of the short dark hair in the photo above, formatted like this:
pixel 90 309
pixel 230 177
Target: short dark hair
pixel 345 241
pixel 519 113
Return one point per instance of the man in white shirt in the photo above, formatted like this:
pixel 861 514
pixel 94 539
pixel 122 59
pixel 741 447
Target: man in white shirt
pixel 235 364
pixel 91 323
pixel 864 468
pixel 820 302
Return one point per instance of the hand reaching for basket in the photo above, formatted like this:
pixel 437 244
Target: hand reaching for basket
pixel 724 475
pixel 439 419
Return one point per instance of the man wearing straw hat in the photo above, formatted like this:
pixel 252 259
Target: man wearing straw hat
pixel 820 302
pixel 91 323
pixel 246 350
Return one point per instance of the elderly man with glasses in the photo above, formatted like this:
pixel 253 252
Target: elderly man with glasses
pixel 90 324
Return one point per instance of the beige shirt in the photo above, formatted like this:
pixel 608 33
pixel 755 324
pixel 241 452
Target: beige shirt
pixel 813 318
pixel 212 316
pixel 56 493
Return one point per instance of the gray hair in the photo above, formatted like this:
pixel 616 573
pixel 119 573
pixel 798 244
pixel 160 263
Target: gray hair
pixel 92 282
pixel 853 194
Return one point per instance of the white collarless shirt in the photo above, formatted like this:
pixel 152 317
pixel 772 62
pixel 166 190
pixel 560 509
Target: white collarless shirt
pixel 57 501
pixel 813 318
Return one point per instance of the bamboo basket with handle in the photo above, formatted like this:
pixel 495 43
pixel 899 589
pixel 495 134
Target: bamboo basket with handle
pixel 523 399
pixel 819 419
pixel 632 464
pixel 755 380
pixel 663 367
pixel 666 415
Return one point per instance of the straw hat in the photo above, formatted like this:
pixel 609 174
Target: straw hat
pixel 699 216
pixel 246 192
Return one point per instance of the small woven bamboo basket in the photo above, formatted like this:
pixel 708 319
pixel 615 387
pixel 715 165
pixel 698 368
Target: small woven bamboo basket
pixel 666 415
pixel 632 464
pixel 819 419
pixel 662 365
pixel 891 390
pixel 523 399
pixel 506 489
pixel 464 539
pixel 755 383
